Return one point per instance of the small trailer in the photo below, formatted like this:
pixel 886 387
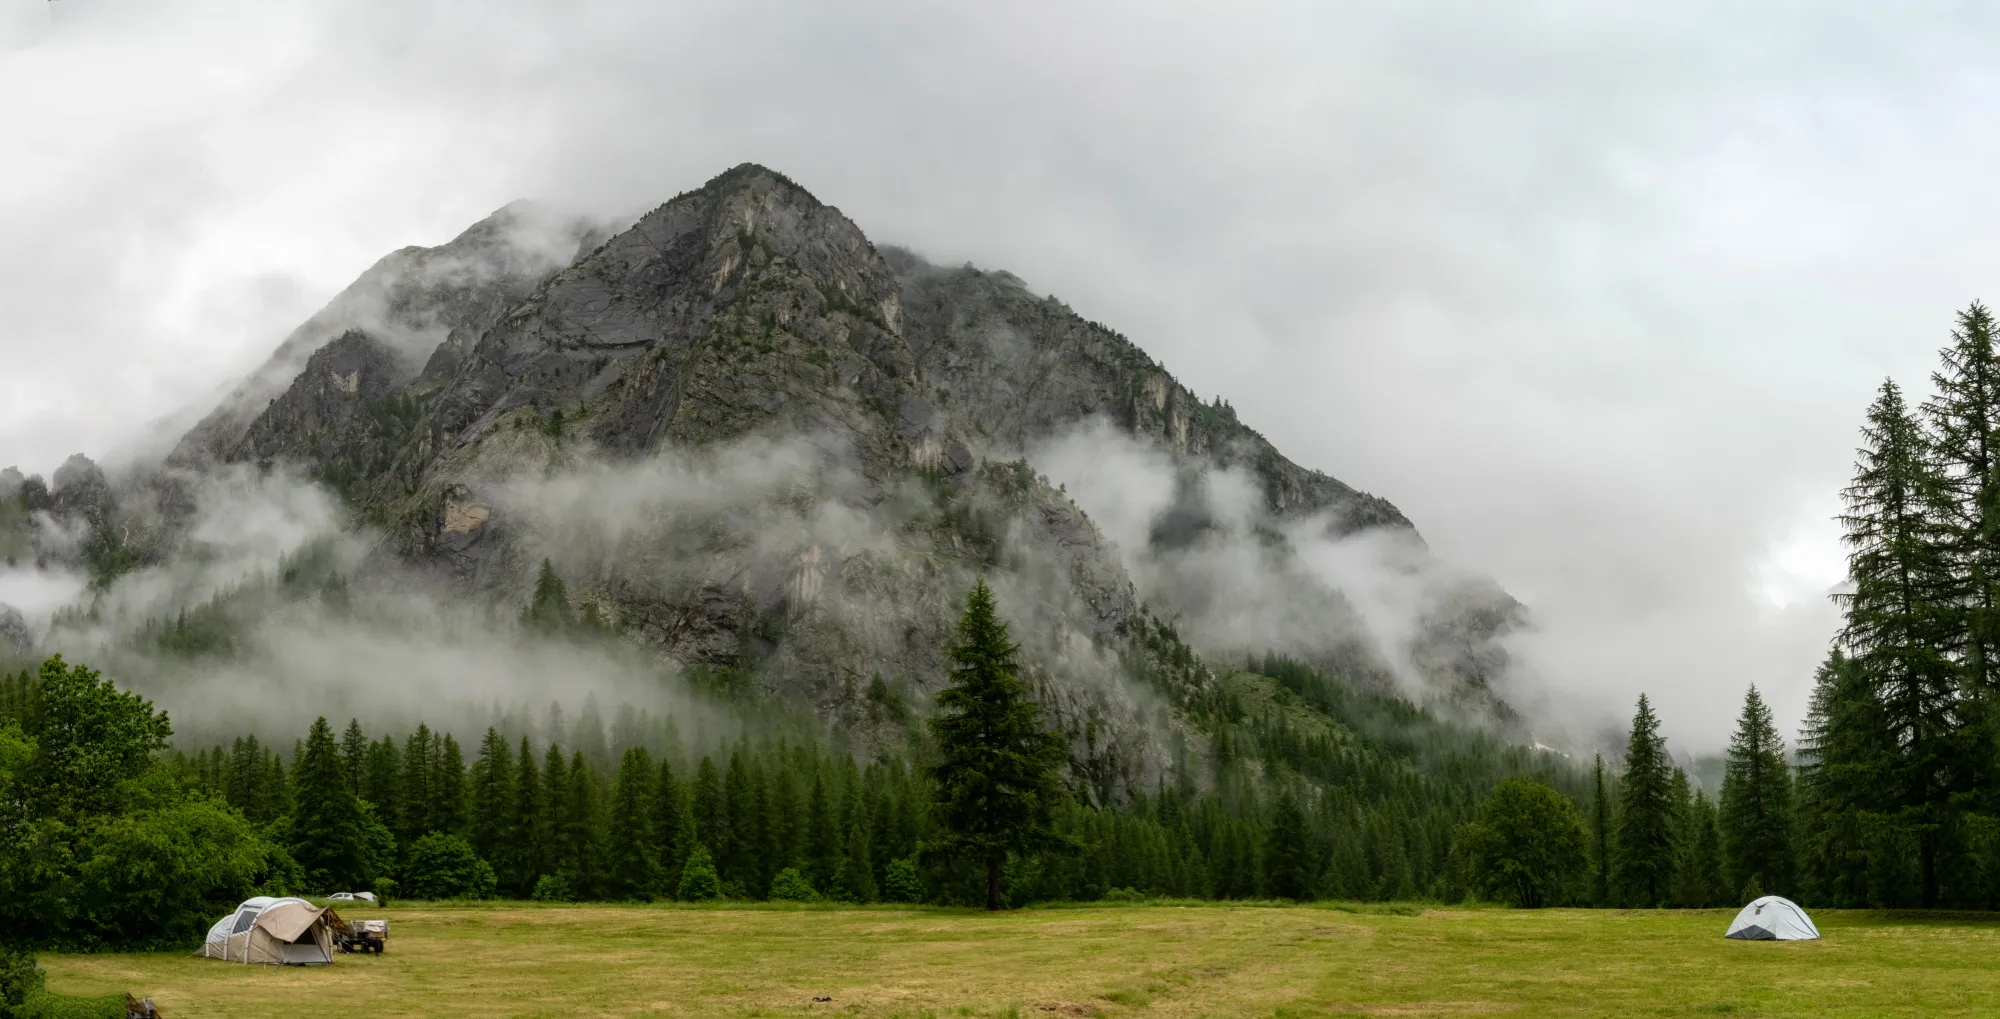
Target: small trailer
pixel 362 936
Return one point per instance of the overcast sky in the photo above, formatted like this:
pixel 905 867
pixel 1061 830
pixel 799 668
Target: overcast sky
pixel 1596 297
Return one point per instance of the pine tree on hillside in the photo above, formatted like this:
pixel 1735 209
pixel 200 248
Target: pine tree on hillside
pixel 633 868
pixel 548 610
pixel 1643 858
pixel 997 778
pixel 326 828
pixel 1756 814
pixel 1898 628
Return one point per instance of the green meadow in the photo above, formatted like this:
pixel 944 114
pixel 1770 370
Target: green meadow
pixel 523 960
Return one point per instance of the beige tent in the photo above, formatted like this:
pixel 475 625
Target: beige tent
pixel 274 932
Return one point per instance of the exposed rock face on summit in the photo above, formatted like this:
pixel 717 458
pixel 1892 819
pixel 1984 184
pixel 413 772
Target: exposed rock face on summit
pixel 746 435
pixel 416 304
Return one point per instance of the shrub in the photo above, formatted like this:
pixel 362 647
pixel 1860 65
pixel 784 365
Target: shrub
pixel 698 880
pixel 902 882
pixel 443 866
pixel 553 888
pixel 792 886
pixel 19 978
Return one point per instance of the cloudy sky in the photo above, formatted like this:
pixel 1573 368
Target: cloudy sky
pixel 1597 297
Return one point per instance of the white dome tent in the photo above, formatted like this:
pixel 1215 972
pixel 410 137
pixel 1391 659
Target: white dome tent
pixel 274 932
pixel 1773 918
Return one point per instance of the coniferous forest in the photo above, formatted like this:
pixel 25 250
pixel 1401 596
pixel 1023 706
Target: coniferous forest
pixel 1886 797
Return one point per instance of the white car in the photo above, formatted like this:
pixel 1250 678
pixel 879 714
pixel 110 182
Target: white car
pixel 351 897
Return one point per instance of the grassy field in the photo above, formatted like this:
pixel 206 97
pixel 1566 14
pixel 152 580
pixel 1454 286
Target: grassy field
pixel 516 960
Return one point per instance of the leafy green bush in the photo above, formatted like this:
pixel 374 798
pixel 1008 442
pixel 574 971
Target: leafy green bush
pixel 902 882
pixel 20 979
pixel 553 888
pixel 698 880
pixel 792 886
pixel 441 866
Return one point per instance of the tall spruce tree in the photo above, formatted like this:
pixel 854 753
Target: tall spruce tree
pixel 672 832
pixel 1845 749
pixel 997 777
pixel 1899 628
pixel 1600 839
pixel 326 828
pixel 1288 852
pixel 1698 881
pixel 447 787
pixel 582 833
pixel 632 864
pixel 416 799
pixel 354 755
pixel 1964 426
pixel 527 832
pixel 493 804
pixel 1643 859
pixel 1756 815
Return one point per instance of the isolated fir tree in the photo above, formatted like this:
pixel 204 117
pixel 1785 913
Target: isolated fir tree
pixel 1899 624
pixel 997 778
pixel 632 862
pixel 1643 856
pixel 548 610
pixel 326 832
pixel 1756 814
pixel 492 808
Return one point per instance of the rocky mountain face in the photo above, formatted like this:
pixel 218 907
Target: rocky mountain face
pixel 747 436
